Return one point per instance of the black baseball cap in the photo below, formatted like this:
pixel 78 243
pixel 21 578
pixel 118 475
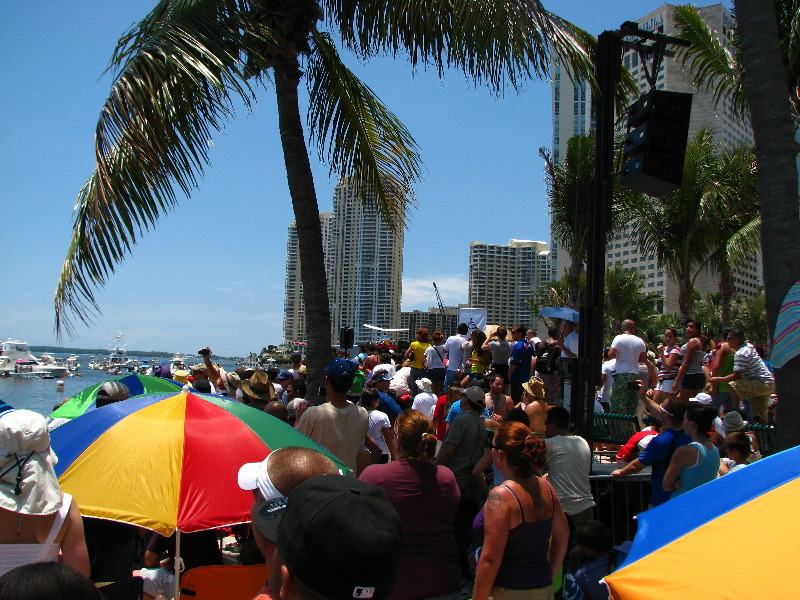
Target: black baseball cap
pixel 341 538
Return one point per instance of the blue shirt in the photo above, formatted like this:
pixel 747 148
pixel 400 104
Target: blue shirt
pixel 657 455
pixel 521 356
pixel 388 405
pixel 455 410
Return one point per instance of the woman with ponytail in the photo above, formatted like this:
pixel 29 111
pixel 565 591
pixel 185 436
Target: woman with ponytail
pixel 426 497
pixel 522 525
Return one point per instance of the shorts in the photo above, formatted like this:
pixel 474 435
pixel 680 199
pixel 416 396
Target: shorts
pixel 666 385
pixel 623 400
pixel 436 374
pixel 693 381
pixel 501 370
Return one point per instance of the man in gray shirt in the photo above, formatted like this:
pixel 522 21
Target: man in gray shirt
pixel 463 447
pixel 569 460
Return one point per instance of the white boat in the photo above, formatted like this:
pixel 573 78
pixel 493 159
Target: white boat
pixel 72 363
pixel 117 358
pixel 16 360
pixel 178 363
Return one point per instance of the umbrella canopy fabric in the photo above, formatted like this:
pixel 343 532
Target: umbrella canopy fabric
pixel 136 383
pixel 561 312
pixel 730 538
pixel 168 462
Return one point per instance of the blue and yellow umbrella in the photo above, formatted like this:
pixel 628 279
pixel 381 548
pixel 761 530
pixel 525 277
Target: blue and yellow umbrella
pixel 735 537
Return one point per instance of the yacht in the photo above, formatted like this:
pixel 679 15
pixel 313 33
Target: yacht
pixel 16 360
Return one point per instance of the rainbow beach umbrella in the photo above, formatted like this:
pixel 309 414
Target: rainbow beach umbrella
pixel 136 383
pixel 730 538
pixel 169 461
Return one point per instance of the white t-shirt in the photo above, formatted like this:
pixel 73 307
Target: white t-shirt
pixel 629 348
pixel 609 370
pixel 377 421
pixel 571 343
pixel 455 355
pixel 425 402
pixel 434 357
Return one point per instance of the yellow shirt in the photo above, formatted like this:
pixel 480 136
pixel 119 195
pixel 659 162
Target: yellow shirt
pixel 418 353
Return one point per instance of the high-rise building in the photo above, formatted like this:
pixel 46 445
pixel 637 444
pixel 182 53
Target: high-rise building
pixel 432 319
pixel 294 314
pixel 364 266
pixel 569 119
pixel 503 277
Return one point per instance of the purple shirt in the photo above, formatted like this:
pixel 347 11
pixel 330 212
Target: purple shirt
pixel 426 497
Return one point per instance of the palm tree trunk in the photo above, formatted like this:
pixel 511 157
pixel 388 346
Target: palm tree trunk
pixel 309 230
pixel 770 111
pixel 726 293
pixel 685 298
pixel 574 277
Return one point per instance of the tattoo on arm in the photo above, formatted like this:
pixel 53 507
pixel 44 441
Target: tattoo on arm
pixel 493 501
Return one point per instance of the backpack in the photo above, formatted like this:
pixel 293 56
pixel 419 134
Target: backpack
pixel 547 358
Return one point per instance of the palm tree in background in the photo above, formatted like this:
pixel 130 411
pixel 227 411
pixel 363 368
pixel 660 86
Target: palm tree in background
pixel 180 70
pixel 688 228
pixel 624 299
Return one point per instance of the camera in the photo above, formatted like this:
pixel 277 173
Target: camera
pixel 634 385
pixel 204 352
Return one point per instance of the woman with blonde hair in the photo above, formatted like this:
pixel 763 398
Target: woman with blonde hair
pixel 522 525
pixel 426 497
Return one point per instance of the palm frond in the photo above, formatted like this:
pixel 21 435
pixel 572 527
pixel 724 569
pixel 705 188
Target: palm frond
pixel 178 71
pixel 714 66
pixel 358 136
pixel 494 42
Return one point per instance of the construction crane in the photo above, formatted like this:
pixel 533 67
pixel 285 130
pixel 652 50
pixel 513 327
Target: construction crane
pixel 441 306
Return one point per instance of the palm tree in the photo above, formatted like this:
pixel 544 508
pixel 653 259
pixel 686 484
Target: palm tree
pixel 719 67
pixel 768 54
pixel 624 300
pixel 688 228
pixel 180 69
pixel 569 187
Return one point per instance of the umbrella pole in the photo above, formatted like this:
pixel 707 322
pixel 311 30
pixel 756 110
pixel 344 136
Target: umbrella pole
pixel 178 565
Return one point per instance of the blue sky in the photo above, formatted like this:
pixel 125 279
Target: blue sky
pixel 212 271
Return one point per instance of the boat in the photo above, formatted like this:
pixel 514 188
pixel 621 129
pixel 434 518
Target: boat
pixel 178 363
pixel 117 358
pixel 72 363
pixel 16 360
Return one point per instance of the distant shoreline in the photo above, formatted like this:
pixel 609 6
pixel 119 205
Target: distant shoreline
pixel 105 351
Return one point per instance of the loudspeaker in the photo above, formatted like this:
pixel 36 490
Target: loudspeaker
pixel 655 144
pixel 347 338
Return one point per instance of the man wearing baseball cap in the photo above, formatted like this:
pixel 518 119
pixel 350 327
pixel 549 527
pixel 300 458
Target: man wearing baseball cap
pixel 339 539
pixel 337 425
pixel 271 481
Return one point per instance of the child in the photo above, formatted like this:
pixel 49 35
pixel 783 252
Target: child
pixel 737 447
pixel 592 558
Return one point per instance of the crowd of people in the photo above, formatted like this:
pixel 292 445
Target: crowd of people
pixel 464 481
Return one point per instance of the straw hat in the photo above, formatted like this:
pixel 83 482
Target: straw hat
pixel 259 386
pixel 535 387
pixel 28 482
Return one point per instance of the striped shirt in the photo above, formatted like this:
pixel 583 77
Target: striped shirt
pixel 663 371
pixel 749 365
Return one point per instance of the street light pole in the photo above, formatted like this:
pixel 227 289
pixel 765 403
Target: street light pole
pixel 590 337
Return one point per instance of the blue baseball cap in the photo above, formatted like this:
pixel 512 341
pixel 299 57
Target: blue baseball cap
pixel 341 368
pixel 284 375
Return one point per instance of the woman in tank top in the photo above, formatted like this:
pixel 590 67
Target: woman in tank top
pixel 522 524
pixel 696 463
pixel 691 378
pixel 37 522
pixel 668 362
